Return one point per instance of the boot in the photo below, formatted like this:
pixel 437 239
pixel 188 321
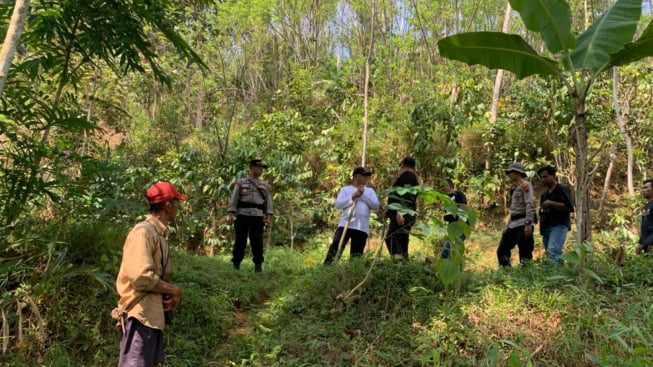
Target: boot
pixel 258 268
pixel 236 266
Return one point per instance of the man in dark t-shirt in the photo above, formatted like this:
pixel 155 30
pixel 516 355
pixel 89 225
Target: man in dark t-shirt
pixel 555 207
pixel 400 225
pixel 645 244
pixel 460 199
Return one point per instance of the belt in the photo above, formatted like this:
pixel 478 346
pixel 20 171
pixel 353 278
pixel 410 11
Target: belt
pixel 517 216
pixel 243 204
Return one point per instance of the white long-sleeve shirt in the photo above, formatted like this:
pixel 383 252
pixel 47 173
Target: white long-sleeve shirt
pixel 360 218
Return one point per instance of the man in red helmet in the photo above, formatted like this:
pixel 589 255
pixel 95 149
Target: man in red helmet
pixel 143 282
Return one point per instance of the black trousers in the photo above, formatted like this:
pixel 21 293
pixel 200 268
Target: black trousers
pixel 399 235
pixel 252 227
pixel 510 238
pixel 358 239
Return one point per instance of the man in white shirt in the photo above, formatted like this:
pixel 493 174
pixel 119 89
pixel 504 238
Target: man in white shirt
pixel 356 202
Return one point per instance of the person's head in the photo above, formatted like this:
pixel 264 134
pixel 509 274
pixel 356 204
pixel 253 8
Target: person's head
pixel 256 167
pixel 164 198
pixel 647 189
pixel 360 175
pixel 407 163
pixel 516 171
pixel 447 185
pixel 547 175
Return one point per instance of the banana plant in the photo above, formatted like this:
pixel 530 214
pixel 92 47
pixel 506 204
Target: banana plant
pixel 575 60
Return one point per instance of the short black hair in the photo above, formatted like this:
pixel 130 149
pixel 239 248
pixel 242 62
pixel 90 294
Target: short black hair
pixel 549 169
pixel 408 161
pixel 648 180
pixel 159 206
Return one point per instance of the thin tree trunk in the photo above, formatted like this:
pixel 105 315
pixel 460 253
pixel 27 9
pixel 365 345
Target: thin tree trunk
pixel 367 82
pixel 606 181
pixel 622 129
pixel 583 224
pixel 496 92
pixel 21 10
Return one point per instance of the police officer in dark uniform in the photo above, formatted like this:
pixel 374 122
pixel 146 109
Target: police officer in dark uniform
pixel 252 206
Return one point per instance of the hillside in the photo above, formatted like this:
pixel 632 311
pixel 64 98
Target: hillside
pixel 597 314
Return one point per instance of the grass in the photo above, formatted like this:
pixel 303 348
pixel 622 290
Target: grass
pixel 291 315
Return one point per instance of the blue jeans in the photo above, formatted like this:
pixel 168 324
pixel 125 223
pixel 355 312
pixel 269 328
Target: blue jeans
pixel 554 239
pixel 445 252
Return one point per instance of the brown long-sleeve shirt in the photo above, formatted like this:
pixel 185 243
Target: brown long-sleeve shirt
pixel 145 259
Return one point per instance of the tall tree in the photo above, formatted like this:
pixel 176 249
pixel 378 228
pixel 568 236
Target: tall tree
pixel 607 43
pixel 21 9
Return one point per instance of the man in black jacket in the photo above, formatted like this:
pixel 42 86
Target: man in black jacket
pixel 400 225
pixel 645 244
pixel 555 206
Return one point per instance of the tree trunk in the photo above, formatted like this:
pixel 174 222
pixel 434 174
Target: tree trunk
pixel 367 82
pixel 579 131
pixel 21 9
pixel 606 181
pixel 622 128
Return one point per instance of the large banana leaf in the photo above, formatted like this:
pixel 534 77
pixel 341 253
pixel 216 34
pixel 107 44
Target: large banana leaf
pixel 497 50
pixel 550 18
pixel 635 51
pixel 607 35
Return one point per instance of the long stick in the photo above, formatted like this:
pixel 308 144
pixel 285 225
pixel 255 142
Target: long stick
pixel 344 296
pixel 344 231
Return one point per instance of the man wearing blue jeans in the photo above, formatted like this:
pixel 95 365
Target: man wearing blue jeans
pixel 555 208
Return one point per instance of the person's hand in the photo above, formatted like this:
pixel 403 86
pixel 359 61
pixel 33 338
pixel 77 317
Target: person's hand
pixel 359 191
pixel 230 218
pixel 528 230
pixel 638 249
pixel 547 203
pixel 172 300
pixel 267 220
pixel 400 219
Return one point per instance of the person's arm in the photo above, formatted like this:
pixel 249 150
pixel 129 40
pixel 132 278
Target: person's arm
pixel 529 200
pixel 233 203
pixel 267 219
pixel 172 291
pixel 370 198
pixel 345 197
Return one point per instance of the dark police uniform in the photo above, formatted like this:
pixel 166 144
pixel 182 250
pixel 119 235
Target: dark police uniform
pixel 250 201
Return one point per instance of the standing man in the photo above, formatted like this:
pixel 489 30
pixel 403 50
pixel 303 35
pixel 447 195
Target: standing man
pixel 645 244
pixel 555 206
pixel 400 225
pixel 356 202
pixel 252 206
pixel 519 230
pixel 143 282
pixel 460 199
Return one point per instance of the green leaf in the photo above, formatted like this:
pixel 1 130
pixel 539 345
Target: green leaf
pixel 448 270
pixel 550 18
pixel 607 35
pixel 497 50
pixel 514 360
pixel 638 50
pixel 594 275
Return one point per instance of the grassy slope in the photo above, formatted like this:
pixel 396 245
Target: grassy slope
pixel 402 316
pixel 291 315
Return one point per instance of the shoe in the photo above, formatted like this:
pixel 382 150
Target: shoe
pixel 258 268
pixel 237 266
pixel 398 257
